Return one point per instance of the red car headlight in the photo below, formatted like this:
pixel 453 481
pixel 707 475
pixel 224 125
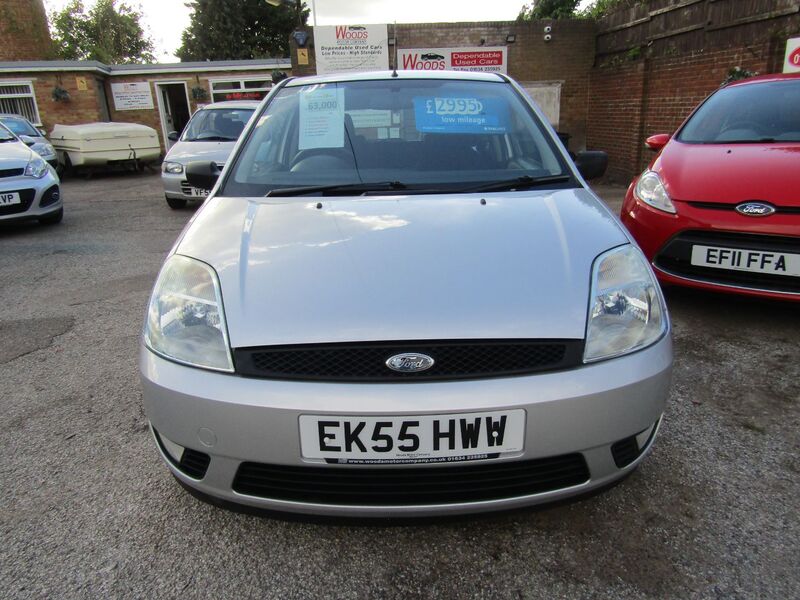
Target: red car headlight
pixel 650 190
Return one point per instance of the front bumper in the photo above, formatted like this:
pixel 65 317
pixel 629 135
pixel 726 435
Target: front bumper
pixel 235 420
pixel 658 233
pixel 40 197
pixel 176 186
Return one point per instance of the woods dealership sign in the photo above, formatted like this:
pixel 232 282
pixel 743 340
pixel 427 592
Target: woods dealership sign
pixel 479 58
pixel 346 48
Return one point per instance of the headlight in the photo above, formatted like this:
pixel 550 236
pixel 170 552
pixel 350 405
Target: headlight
pixel 43 149
pixel 626 312
pixel 172 167
pixel 185 320
pixel 650 190
pixel 36 167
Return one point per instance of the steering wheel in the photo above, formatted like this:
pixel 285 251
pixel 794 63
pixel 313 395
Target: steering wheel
pixel 337 153
pixel 744 124
pixel 209 133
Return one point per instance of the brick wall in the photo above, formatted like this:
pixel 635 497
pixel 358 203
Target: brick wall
pixel 24 22
pixel 615 114
pixel 82 106
pixel 640 87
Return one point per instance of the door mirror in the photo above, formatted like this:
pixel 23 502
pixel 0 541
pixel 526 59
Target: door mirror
pixel 202 174
pixel 173 136
pixel 27 140
pixel 657 142
pixel 592 163
pixel 43 132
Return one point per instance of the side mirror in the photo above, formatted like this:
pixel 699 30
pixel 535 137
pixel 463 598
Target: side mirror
pixel 27 140
pixel 202 174
pixel 173 136
pixel 42 131
pixel 592 163
pixel 657 142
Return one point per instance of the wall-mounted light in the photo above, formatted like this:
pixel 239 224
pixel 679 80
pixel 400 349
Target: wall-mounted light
pixel 511 38
pixel 482 42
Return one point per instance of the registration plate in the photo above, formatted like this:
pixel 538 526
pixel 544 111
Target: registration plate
pixel 9 198
pixel 412 439
pixel 199 193
pixel 756 261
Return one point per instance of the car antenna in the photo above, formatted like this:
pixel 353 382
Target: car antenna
pixel 394 31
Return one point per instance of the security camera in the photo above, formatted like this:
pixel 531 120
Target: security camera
pixel 548 29
pixel 548 37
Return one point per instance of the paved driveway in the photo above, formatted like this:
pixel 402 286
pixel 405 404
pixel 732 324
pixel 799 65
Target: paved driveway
pixel 88 510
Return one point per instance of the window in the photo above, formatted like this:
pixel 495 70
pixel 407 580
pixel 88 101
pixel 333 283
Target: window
pixel 16 97
pixel 240 89
pixel 435 136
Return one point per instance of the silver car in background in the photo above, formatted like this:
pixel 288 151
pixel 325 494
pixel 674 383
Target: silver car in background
pixel 29 187
pixel 402 299
pixel 208 136
pixel 34 138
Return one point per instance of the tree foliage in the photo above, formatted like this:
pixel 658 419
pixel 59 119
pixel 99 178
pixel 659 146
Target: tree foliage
pixel 110 32
pixel 601 8
pixel 239 29
pixel 548 9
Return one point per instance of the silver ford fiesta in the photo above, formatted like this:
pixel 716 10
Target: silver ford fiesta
pixel 402 299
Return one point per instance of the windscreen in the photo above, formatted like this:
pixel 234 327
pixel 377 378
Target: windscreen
pixel 217 125
pixel 759 112
pixel 6 135
pixel 19 126
pixel 433 134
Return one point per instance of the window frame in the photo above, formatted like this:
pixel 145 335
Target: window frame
pixel 241 88
pixel 31 95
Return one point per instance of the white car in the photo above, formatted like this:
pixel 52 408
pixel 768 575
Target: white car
pixel 209 136
pixel 28 185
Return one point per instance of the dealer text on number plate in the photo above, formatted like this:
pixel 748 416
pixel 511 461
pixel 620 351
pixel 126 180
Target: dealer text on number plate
pixel 414 438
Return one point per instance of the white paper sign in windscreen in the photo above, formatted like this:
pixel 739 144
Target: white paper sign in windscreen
pixel 132 96
pixel 351 48
pixel 322 118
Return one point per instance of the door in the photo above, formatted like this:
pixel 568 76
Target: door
pixel 173 108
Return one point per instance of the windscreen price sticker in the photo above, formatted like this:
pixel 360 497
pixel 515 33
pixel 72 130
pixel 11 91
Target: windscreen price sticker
pixel 460 115
pixel 321 118
pixel 454 106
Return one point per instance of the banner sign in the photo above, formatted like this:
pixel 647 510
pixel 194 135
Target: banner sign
pixel 791 63
pixel 132 96
pixel 492 59
pixel 348 48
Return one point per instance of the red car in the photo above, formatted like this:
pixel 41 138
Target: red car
pixel 719 206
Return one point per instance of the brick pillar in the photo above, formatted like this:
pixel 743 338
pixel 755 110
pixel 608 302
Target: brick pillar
pixel 298 69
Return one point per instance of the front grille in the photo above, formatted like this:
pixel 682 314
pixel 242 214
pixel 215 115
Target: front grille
pixel 186 188
pixel 26 196
pixel 676 255
pixel 728 206
pixel 366 362
pixel 11 172
pixel 369 486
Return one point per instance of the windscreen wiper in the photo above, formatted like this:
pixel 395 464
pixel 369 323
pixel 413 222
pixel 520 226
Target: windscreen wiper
pixel 357 188
pixel 518 183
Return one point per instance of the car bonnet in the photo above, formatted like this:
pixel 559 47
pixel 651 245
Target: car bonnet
pixel 412 267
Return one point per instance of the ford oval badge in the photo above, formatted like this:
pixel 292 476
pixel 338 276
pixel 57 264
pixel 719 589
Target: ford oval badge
pixel 755 209
pixel 409 362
